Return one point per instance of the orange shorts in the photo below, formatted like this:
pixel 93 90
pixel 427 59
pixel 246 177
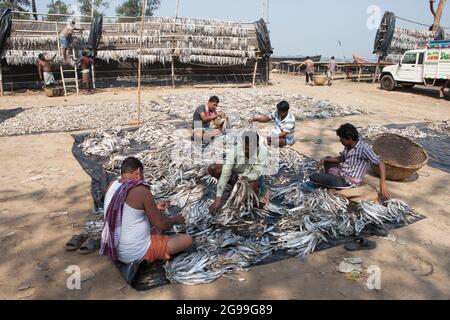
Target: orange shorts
pixel 158 248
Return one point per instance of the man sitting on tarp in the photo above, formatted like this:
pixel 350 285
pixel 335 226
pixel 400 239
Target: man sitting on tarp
pixel 348 170
pixel 203 115
pixel 284 129
pixel 45 71
pixel 130 215
pixel 246 160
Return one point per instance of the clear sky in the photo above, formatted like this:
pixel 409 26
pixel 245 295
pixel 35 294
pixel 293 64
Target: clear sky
pixel 301 27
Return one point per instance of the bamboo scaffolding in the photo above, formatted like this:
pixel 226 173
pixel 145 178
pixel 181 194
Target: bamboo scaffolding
pixel 144 4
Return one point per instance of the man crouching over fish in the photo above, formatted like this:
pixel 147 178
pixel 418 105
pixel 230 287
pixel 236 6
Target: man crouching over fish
pixel 130 215
pixel 283 133
pixel 201 120
pixel 348 170
pixel 246 160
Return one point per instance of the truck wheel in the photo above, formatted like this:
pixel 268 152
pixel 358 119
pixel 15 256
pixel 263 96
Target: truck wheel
pixel 387 83
pixel 408 85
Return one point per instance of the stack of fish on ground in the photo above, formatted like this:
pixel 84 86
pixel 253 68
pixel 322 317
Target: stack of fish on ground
pixel 243 105
pixel 295 221
pixel 77 117
pixel 433 129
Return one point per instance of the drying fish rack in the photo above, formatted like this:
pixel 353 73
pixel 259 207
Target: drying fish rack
pixel 402 156
pixel 192 44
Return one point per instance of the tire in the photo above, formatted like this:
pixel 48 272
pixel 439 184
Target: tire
pixel 387 82
pixel 408 85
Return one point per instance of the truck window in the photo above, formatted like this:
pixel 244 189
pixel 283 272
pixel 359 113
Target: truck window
pixel 421 56
pixel 409 58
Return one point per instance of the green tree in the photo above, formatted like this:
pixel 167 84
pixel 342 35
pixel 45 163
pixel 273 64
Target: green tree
pixel 17 5
pixel 58 7
pixel 133 8
pixel 86 7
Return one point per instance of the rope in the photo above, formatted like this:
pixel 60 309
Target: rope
pixel 419 23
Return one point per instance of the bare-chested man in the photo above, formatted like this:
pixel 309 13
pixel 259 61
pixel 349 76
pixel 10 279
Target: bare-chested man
pixel 309 70
pixel 45 71
pixel 85 62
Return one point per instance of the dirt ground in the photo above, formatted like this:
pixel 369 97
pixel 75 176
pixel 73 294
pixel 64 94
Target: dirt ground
pixel 415 266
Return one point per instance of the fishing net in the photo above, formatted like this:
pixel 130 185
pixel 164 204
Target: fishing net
pixel 295 222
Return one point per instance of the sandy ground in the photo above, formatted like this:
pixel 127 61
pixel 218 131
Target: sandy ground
pixel 416 266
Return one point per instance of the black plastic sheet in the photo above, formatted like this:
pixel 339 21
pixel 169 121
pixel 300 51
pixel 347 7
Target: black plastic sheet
pixel 143 276
pixel 5 28
pixel 262 34
pixel 95 35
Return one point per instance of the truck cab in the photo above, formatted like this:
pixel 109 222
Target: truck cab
pixel 407 73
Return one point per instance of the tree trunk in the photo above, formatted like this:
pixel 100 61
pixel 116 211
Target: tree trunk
pixel 438 14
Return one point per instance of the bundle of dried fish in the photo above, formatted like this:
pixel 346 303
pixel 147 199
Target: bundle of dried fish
pixel 322 200
pixel 192 268
pixel 104 142
pixel 298 242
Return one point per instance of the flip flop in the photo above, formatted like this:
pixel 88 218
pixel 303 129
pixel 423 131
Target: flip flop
pixel 360 244
pixel 375 230
pixel 90 246
pixel 76 241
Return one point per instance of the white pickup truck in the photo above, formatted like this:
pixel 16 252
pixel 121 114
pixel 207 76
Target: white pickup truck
pixel 429 66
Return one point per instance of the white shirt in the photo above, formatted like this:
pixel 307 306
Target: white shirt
pixel 136 230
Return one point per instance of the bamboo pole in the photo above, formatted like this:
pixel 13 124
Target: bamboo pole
pixel 144 3
pixel 254 73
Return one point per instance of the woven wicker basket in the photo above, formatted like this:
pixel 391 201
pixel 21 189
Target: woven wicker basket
pixel 320 80
pixel 402 156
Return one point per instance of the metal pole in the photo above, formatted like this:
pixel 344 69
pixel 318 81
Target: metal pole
pixel 92 8
pixel 254 73
pixel 144 4
pixel 177 10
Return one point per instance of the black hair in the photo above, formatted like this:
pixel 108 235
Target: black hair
pixel 283 106
pixel 130 165
pixel 307 57
pixel 40 56
pixel 214 99
pixel 348 131
pixel 84 53
pixel 332 58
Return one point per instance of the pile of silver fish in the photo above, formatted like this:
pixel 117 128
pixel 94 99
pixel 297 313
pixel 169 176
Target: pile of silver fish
pixel 442 127
pixel 78 117
pixel 410 132
pixel 435 128
pixel 245 232
pixel 242 105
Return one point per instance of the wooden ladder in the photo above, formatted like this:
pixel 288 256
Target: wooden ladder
pixel 71 81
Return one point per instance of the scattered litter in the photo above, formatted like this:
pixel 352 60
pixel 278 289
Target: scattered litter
pixel 35 178
pixel 349 265
pixel 58 214
pixel 54 260
pixel 26 293
pixel 41 266
pixel 353 260
pixel 24 287
pixel 389 237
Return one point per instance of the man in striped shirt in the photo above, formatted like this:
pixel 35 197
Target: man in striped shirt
pixel 348 170
pixel 284 125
